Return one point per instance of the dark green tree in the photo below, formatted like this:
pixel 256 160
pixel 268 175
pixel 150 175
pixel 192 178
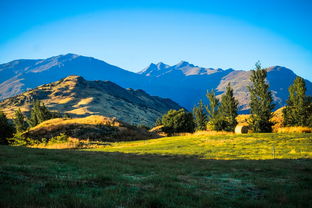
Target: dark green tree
pixel 214 120
pixel 200 116
pixel 19 121
pixel 260 101
pixel 298 111
pixel 175 121
pixel 228 110
pixel 38 114
pixel 213 105
pixel 6 129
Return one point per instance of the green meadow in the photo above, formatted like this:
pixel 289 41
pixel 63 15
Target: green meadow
pixel 254 170
pixel 224 147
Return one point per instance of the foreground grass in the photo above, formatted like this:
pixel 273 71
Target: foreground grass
pixel 68 178
pixel 249 146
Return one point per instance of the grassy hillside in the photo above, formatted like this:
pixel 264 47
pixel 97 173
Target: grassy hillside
pixel 67 178
pixel 228 146
pixel 95 128
pixel 80 98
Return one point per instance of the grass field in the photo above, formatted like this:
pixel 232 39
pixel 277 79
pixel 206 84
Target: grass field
pixel 226 147
pixel 166 172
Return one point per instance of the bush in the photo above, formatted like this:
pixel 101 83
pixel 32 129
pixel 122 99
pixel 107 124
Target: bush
pixel 176 121
pixel 20 140
pixel 62 138
pixel 6 129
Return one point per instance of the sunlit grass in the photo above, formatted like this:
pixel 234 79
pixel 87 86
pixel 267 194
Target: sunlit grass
pixel 295 129
pixel 70 178
pixel 227 146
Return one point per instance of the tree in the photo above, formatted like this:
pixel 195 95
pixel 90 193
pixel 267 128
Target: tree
pixel 38 114
pixel 19 121
pixel 298 110
pixel 6 129
pixel 260 101
pixel 175 121
pixel 214 120
pixel 228 109
pixel 200 116
pixel 212 107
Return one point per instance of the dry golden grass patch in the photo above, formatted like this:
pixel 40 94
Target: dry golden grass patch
pixel 91 120
pixel 295 129
pixel 80 111
pixel 64 101
pixel 84 101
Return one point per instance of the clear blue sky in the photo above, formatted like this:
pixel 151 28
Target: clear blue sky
pixel 132 34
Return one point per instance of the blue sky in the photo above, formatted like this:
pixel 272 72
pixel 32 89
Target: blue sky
pixel 132 34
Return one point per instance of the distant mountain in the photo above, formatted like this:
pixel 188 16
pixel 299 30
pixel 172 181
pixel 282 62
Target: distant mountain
pixel 184 82
pixel 161 69
pixel 187 84
pixel 21 75
pixel 79 98
pixel 279 79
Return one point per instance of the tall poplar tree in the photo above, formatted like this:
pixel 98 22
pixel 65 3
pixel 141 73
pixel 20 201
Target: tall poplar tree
pixel 214 122
pixel 260 101
pixel 298 110
pixel 213 105
pixel 200 116
pixel 228 109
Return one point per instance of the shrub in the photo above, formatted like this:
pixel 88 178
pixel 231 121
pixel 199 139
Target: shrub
pixel 176 121
pixel 20 140
pixel 62 138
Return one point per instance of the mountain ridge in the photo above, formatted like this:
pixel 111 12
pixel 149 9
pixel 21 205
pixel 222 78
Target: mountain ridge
pixel 185 83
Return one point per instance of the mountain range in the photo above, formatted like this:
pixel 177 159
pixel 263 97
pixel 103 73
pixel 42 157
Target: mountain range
pixel 80 98
pixel 184 82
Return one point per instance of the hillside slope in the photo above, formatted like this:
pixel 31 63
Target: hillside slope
pixel 78 97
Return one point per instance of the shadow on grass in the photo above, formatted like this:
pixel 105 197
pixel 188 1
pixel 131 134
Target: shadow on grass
pixel 71 178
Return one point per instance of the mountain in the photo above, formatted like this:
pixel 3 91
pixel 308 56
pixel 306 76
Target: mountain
pixel 79 98
pixel 184 82
pixel 161 69
pixel 187 84
pixel 20 75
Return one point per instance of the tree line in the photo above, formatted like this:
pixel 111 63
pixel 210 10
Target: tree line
pixel 220 114
pixel 39 113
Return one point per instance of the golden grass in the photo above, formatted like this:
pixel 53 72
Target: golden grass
pixel 72 143
pixel 91 120
pixel 84 101
pixel 80 111
pixel 64 101
pixel 205 133
pixel 295 129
